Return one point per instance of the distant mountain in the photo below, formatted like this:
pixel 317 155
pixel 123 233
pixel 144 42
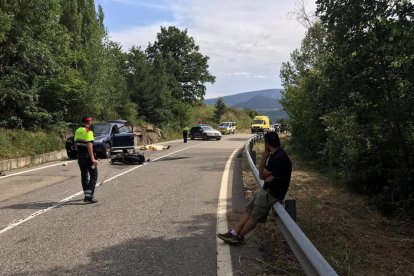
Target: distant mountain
pixel 265 102
pixel 260 102
pixel 245 96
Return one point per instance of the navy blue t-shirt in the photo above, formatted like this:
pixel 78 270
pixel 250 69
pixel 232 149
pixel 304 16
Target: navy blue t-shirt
pixel 280 166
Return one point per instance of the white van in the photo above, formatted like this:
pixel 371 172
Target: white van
pixel 227 127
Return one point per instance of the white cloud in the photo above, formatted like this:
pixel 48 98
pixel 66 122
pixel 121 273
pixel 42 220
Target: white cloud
pixel 247 41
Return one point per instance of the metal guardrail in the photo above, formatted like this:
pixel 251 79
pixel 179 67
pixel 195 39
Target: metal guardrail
pixel 312 262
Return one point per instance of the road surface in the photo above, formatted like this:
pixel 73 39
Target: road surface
pixel 154 219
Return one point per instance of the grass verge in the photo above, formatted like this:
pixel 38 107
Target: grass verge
pixel 20 143
pixel 354 238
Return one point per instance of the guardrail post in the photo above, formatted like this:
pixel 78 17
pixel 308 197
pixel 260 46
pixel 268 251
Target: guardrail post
pixel 290 206
pixel 253 155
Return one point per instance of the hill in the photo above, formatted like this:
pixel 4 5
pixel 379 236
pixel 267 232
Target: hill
pixel 265 102
pixel 260 102
pixel 232 100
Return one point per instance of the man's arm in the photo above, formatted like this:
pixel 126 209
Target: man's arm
pixel 263 172
pixel 90 151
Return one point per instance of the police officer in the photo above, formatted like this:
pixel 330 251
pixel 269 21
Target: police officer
pixel 86 159
pixel 185 134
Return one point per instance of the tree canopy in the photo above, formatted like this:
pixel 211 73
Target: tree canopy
pixel 349 95
pixel 57 63
pixel 183 62
pixel 220 109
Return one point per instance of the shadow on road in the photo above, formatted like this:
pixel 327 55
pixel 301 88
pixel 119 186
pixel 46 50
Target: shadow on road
pixel 43 204
pixel 173 158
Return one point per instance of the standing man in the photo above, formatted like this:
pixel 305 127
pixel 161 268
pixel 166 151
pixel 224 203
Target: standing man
pixel 185 134
pixel 86 159
pixel 275 169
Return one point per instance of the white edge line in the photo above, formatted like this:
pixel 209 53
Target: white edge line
pixel 41 168
pixel 35 214
pixel 224 264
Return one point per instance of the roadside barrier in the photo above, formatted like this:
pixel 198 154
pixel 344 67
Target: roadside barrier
pixel 312 262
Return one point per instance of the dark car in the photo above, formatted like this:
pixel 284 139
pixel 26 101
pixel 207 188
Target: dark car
pixel 109 136
pixel 205 132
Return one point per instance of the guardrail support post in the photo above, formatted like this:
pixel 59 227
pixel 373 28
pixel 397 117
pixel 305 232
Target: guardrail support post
pixel 290 206
pixel 253 155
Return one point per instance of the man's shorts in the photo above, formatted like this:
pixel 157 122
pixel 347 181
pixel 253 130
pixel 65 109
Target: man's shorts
pixel 259 207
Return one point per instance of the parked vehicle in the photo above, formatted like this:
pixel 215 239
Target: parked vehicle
pixel 110 136
pixel 227 127
pixel 204 132
pixel 260 124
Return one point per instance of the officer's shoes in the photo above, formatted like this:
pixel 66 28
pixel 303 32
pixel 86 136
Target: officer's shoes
pixel 90 200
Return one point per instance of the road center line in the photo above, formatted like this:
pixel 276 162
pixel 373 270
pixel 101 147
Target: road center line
pixel 35 214
pixel 224 265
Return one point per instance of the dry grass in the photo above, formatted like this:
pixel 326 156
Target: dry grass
pixel 355 239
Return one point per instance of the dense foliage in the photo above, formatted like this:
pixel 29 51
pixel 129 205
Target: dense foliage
pixel 57 63
pixel 220 109
pixel 349 94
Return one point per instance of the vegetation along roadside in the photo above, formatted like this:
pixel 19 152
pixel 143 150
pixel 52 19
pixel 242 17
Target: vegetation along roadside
pixel 353 237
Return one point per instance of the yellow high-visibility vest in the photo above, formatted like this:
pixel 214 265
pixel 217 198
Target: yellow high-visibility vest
pixel 83 136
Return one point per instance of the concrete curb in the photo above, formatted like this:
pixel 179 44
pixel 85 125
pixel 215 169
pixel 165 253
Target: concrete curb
pixel 11 164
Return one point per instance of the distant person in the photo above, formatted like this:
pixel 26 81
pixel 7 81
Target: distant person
pixel 86 159
pixel 185 133
pixel 275 169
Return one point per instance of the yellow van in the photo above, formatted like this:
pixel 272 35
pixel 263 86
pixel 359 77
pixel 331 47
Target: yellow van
pixel 260 124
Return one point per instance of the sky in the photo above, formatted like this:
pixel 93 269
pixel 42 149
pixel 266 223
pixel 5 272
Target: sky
pixel 247 41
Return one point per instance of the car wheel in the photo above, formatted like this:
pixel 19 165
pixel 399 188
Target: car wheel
pixel 107 151
pixel 218 139
pixel 72 155
pixel 205 137
pixel 192 136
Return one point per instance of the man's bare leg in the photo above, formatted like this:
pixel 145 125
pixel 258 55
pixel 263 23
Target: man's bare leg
pixel 247 227
pixel 244 218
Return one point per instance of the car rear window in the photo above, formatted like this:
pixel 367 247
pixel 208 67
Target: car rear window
pixel 207 128
pixel 99 129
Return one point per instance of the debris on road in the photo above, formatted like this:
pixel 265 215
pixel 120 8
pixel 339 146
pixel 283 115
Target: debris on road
pixel 153 147
pixel 128 158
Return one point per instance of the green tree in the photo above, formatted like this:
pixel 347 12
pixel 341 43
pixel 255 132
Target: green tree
pixel 183 62
pixel 87 33
pixel 148 88
pixel 33 56
pixel 351 85
pixel 220 109
pixel 302 98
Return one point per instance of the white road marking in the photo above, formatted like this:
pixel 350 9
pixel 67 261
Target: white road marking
pixel 224 265
pixel 41 168
pixel 31 216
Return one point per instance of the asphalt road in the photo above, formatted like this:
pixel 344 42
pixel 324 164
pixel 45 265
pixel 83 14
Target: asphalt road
pixel 156 219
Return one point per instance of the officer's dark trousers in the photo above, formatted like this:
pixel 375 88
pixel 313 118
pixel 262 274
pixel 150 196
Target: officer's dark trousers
pixel 89 176
pixel 185 134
